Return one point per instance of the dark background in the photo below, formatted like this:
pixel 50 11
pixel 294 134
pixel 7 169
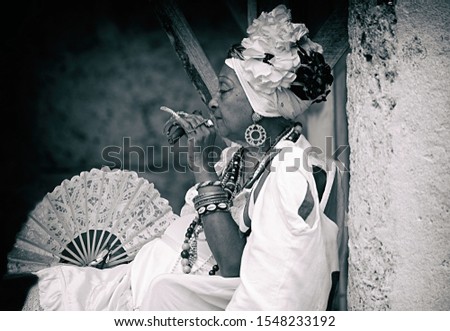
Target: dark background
pixel 78 76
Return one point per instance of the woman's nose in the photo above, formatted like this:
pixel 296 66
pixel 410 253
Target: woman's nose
pixel 213 103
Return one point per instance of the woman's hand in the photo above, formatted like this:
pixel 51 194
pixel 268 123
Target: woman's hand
pixel 201 135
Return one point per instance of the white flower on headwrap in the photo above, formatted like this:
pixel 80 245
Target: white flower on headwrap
pixel 270 55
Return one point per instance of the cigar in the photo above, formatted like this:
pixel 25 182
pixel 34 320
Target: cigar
pixel 170 111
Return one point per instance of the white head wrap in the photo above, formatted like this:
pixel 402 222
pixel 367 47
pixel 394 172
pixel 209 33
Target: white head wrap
pixel 267 66
pixel 283 102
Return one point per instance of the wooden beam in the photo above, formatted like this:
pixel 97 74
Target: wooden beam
pixel 333 36
pixel 187 47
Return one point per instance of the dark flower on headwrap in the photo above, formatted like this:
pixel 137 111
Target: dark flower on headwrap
pixel 236 51
pixel 313 77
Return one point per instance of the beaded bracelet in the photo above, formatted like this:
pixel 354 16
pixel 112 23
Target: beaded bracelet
pixel 207 202
pixel 210 201
pixel 213 207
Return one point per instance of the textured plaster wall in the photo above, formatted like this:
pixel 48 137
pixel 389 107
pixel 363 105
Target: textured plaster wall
pixel 399 123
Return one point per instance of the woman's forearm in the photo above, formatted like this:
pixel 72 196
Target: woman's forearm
pixel 225 242
pixel 222 233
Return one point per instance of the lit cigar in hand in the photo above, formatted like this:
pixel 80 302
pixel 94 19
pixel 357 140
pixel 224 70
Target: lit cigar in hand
pixel 170 111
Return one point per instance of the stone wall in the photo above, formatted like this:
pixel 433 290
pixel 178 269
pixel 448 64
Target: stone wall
pixel 399 130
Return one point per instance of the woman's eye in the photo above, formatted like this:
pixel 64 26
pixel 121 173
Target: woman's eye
pixel 224 89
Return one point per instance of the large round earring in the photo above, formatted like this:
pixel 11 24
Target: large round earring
pixel 255 134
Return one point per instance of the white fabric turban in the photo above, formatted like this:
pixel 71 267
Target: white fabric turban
pixel 282 102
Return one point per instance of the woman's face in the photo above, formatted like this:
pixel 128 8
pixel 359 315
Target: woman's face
pixel 230 107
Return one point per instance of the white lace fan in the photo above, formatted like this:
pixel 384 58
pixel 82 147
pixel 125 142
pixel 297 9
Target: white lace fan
pixel 100 218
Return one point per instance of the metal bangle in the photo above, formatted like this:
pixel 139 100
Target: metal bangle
pixel 202 196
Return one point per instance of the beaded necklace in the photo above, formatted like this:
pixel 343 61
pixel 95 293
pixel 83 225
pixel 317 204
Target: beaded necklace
pixel 230 184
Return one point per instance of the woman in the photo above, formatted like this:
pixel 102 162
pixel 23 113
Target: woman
pixel 252 234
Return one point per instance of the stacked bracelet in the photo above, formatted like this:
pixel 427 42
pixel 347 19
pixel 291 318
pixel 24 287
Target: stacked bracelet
pixel 211 202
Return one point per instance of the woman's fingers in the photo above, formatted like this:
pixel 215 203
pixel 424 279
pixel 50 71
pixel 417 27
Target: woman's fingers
pixel 201 134
pixel 194 126
pixel 198 125
pixel 194 122
pixel 169 125
pixel 184 123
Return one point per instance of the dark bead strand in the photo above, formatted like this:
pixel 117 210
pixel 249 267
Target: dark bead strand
pixel 231 174
pixel 187 252
pixel 214 269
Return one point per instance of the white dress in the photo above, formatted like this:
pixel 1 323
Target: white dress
pixel 287 262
